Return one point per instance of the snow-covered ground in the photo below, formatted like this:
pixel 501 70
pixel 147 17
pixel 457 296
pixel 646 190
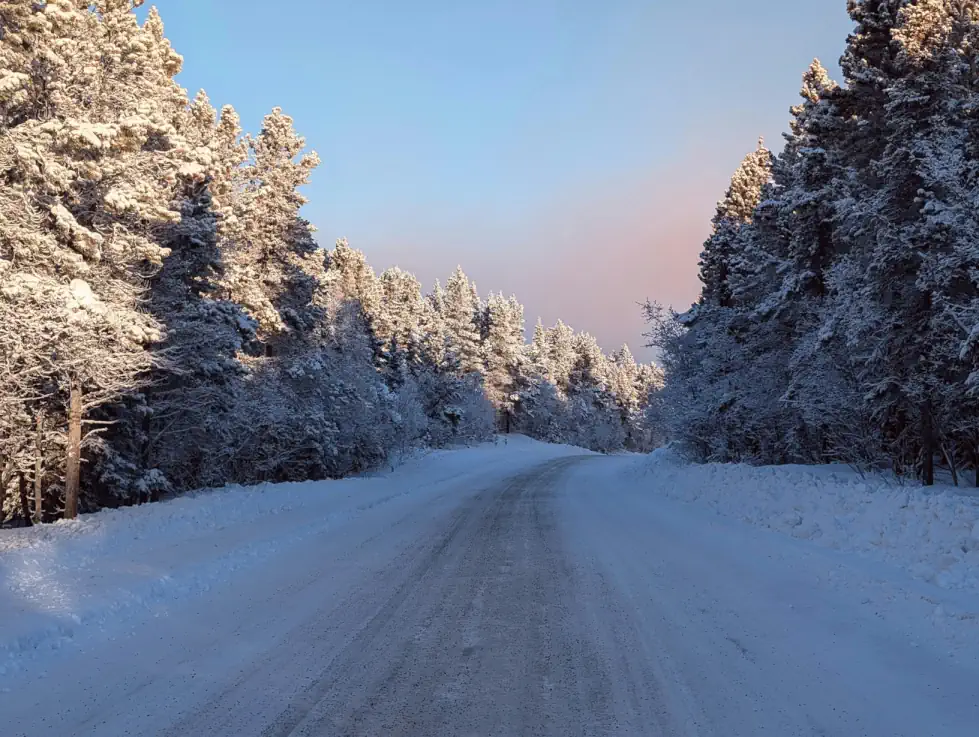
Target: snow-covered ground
pixel 755 631
pixel 74 579
pixel 505 589
pixel 933 533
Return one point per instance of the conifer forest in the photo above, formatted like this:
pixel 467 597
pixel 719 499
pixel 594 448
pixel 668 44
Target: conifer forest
pixel 839 315
pixel 256 480
pixel 169 322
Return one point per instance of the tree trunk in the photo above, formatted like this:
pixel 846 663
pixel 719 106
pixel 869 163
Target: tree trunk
pixel 950 459
pixel 73 472
pixel 928 446
pixel 928 466
pixel 3 492
pixel 25 507
pixel 38 471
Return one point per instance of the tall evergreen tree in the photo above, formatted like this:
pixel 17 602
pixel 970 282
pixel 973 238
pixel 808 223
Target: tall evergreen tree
pixel 561 355
pixel 505 353
pixel 402 312
pixel 837 319
pixel 736 209
pixel 702 389
pixel 91 154
pixel 272 263
pixel 463 323
pixel 168 436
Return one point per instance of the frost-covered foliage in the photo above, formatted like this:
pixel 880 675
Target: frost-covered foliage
pixel 569 391
pixel 839 313
pixel 170 322
pixel 91 154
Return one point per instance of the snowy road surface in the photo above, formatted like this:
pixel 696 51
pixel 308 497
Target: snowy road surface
pixel 523 591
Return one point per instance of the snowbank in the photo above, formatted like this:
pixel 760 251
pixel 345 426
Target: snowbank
pixel 59 580
pixel 931 533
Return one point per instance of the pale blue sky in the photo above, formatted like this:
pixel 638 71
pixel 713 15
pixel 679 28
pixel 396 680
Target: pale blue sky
pixel 568 151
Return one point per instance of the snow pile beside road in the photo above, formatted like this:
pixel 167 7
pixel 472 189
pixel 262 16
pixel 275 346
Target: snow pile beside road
pixel 932 533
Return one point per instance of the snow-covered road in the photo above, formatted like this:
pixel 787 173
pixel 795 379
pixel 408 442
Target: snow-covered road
pixel 521 590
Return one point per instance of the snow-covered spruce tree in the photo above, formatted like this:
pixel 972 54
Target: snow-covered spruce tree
pixel 402 313
pixel 273 269
pixel 905 281
pixel 455 404
pixel 413 350
pixel 433 338
pixel 589 368
pixel 733 212
pixel 170 435
pixel 593 410
pixel 318 409
pixel 542 411
pixel 463 318
pixel 778 284
pixel 271 262
pixel 90 158
pixel 814 409
pixel 538 353
pixel 380 313
pixel 350 277
pixel 569 391
pixel 561 355
pixel 623 374
pixel 701 353
pixel 505 355
pixel 630 387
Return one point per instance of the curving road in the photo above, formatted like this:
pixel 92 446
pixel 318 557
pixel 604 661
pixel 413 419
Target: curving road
pixel 546 602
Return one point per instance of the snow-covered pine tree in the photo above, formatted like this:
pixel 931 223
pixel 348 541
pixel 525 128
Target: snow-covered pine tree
pixel 170 435
pixel 462 316
pixel 701 351
pixel 402 314
pixel 594 414
pixel 272 265
pixel 736 209
pixel 542 412
pixel 433 338
pixel 904 281
pixel 350 277
pixel 778 283
pixel 538 353
pixel 505 354
pixel 561 355
pixel 91 156
pixel 624 377
pixel 628 390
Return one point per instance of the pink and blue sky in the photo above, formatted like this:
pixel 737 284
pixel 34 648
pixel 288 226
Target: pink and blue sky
pixel 570 152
